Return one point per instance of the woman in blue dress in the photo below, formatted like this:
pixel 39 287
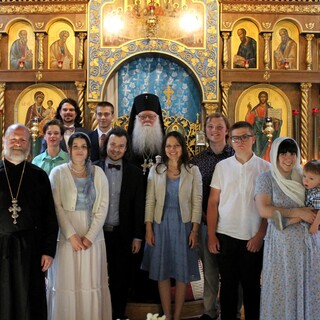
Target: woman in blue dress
pixel 173 214
pixel 291 261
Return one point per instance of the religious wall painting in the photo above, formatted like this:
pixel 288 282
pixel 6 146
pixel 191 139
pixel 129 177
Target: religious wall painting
pixel 21 46
pixel 268 109
pixel 285 40
pixel 105 61
pixel 61 53
pixel 244 47
pixel 37 104
pixel 124 21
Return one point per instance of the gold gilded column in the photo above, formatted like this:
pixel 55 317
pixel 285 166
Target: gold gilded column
pixel 40 37
pixel 81 36
pixel 225 58
pixel 266 56
pixel 0 54
pixel 309 38
pixel 225 94
pixel 305 89
pixel 296 127
pixel 315 115
pixel 93 120
pixel 2 90
pixel 80 87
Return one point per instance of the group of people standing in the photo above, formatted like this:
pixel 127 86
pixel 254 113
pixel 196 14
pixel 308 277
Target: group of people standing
pixel 257 218
pixel 243 214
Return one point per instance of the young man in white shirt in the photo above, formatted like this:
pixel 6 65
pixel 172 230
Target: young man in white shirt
pixel 235 228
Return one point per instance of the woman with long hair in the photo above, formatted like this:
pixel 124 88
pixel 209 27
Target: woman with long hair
pixel 78 281
pixel 172 217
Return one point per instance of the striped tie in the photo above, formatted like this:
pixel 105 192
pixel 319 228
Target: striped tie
pixel 102 139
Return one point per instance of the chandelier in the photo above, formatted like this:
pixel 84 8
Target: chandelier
pixel 152 21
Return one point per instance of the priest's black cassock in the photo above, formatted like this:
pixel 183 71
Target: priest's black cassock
pixel 22 283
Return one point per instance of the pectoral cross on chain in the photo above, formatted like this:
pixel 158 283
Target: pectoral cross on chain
pixel 14 209
pixel 146 165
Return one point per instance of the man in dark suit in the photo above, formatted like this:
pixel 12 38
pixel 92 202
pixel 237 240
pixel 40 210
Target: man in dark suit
pixel 104 116
pixel 124 225
pixel 69 113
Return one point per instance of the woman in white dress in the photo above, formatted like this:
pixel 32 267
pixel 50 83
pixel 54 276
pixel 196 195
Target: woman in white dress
pixel 78 280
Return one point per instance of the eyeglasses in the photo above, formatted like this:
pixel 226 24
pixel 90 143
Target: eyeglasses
pixel 149 116
pixel 243 138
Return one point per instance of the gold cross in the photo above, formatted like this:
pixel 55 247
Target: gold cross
pixel 168 92
pixel 146 165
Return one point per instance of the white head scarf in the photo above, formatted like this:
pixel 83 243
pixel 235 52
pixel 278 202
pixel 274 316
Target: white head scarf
pixel 293 188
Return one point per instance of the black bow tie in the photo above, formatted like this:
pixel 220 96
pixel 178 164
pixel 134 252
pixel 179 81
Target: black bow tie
pixel 116 166
pixel 70 129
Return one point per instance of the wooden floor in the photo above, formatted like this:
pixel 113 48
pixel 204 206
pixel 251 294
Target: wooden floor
pixel 138 311
pixel 191 310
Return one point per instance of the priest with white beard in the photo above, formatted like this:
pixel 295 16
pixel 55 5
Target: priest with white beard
pixel 146 129
pixel 28 230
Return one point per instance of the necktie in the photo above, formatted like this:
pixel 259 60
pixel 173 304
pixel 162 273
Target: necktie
pixel 102 139
pixel 116 166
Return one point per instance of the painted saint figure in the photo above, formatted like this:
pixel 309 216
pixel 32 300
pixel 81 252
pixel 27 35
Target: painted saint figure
pixel 20 55
pixel 285 56
pixel 60 56
pixel 257 118
pixel 247 51
pixel 36 111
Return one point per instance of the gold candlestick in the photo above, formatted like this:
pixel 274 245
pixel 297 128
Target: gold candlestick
pixel 35 129
pixel 268 130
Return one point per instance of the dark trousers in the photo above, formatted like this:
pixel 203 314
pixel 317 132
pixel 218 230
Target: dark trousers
pixel 119 257
pixel 238 265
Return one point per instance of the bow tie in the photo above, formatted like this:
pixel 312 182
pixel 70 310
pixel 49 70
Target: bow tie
pixel 116 166
pixel 70 129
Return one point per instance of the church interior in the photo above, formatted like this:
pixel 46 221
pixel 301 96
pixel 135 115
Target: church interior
pixel 193 54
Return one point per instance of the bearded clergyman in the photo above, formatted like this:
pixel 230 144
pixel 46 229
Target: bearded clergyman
pixel 146 129
pixel 28 230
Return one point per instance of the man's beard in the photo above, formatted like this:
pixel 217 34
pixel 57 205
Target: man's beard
pixel 147 139
pixel 14 158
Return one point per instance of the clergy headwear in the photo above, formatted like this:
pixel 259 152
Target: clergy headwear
pixel 145 102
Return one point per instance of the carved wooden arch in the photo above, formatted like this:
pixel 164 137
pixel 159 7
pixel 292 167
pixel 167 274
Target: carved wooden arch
pixel 236 22
pixel 287 20
pixel 15 20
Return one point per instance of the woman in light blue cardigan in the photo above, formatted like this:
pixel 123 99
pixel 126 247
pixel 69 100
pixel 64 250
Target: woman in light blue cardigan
pixel 172 217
